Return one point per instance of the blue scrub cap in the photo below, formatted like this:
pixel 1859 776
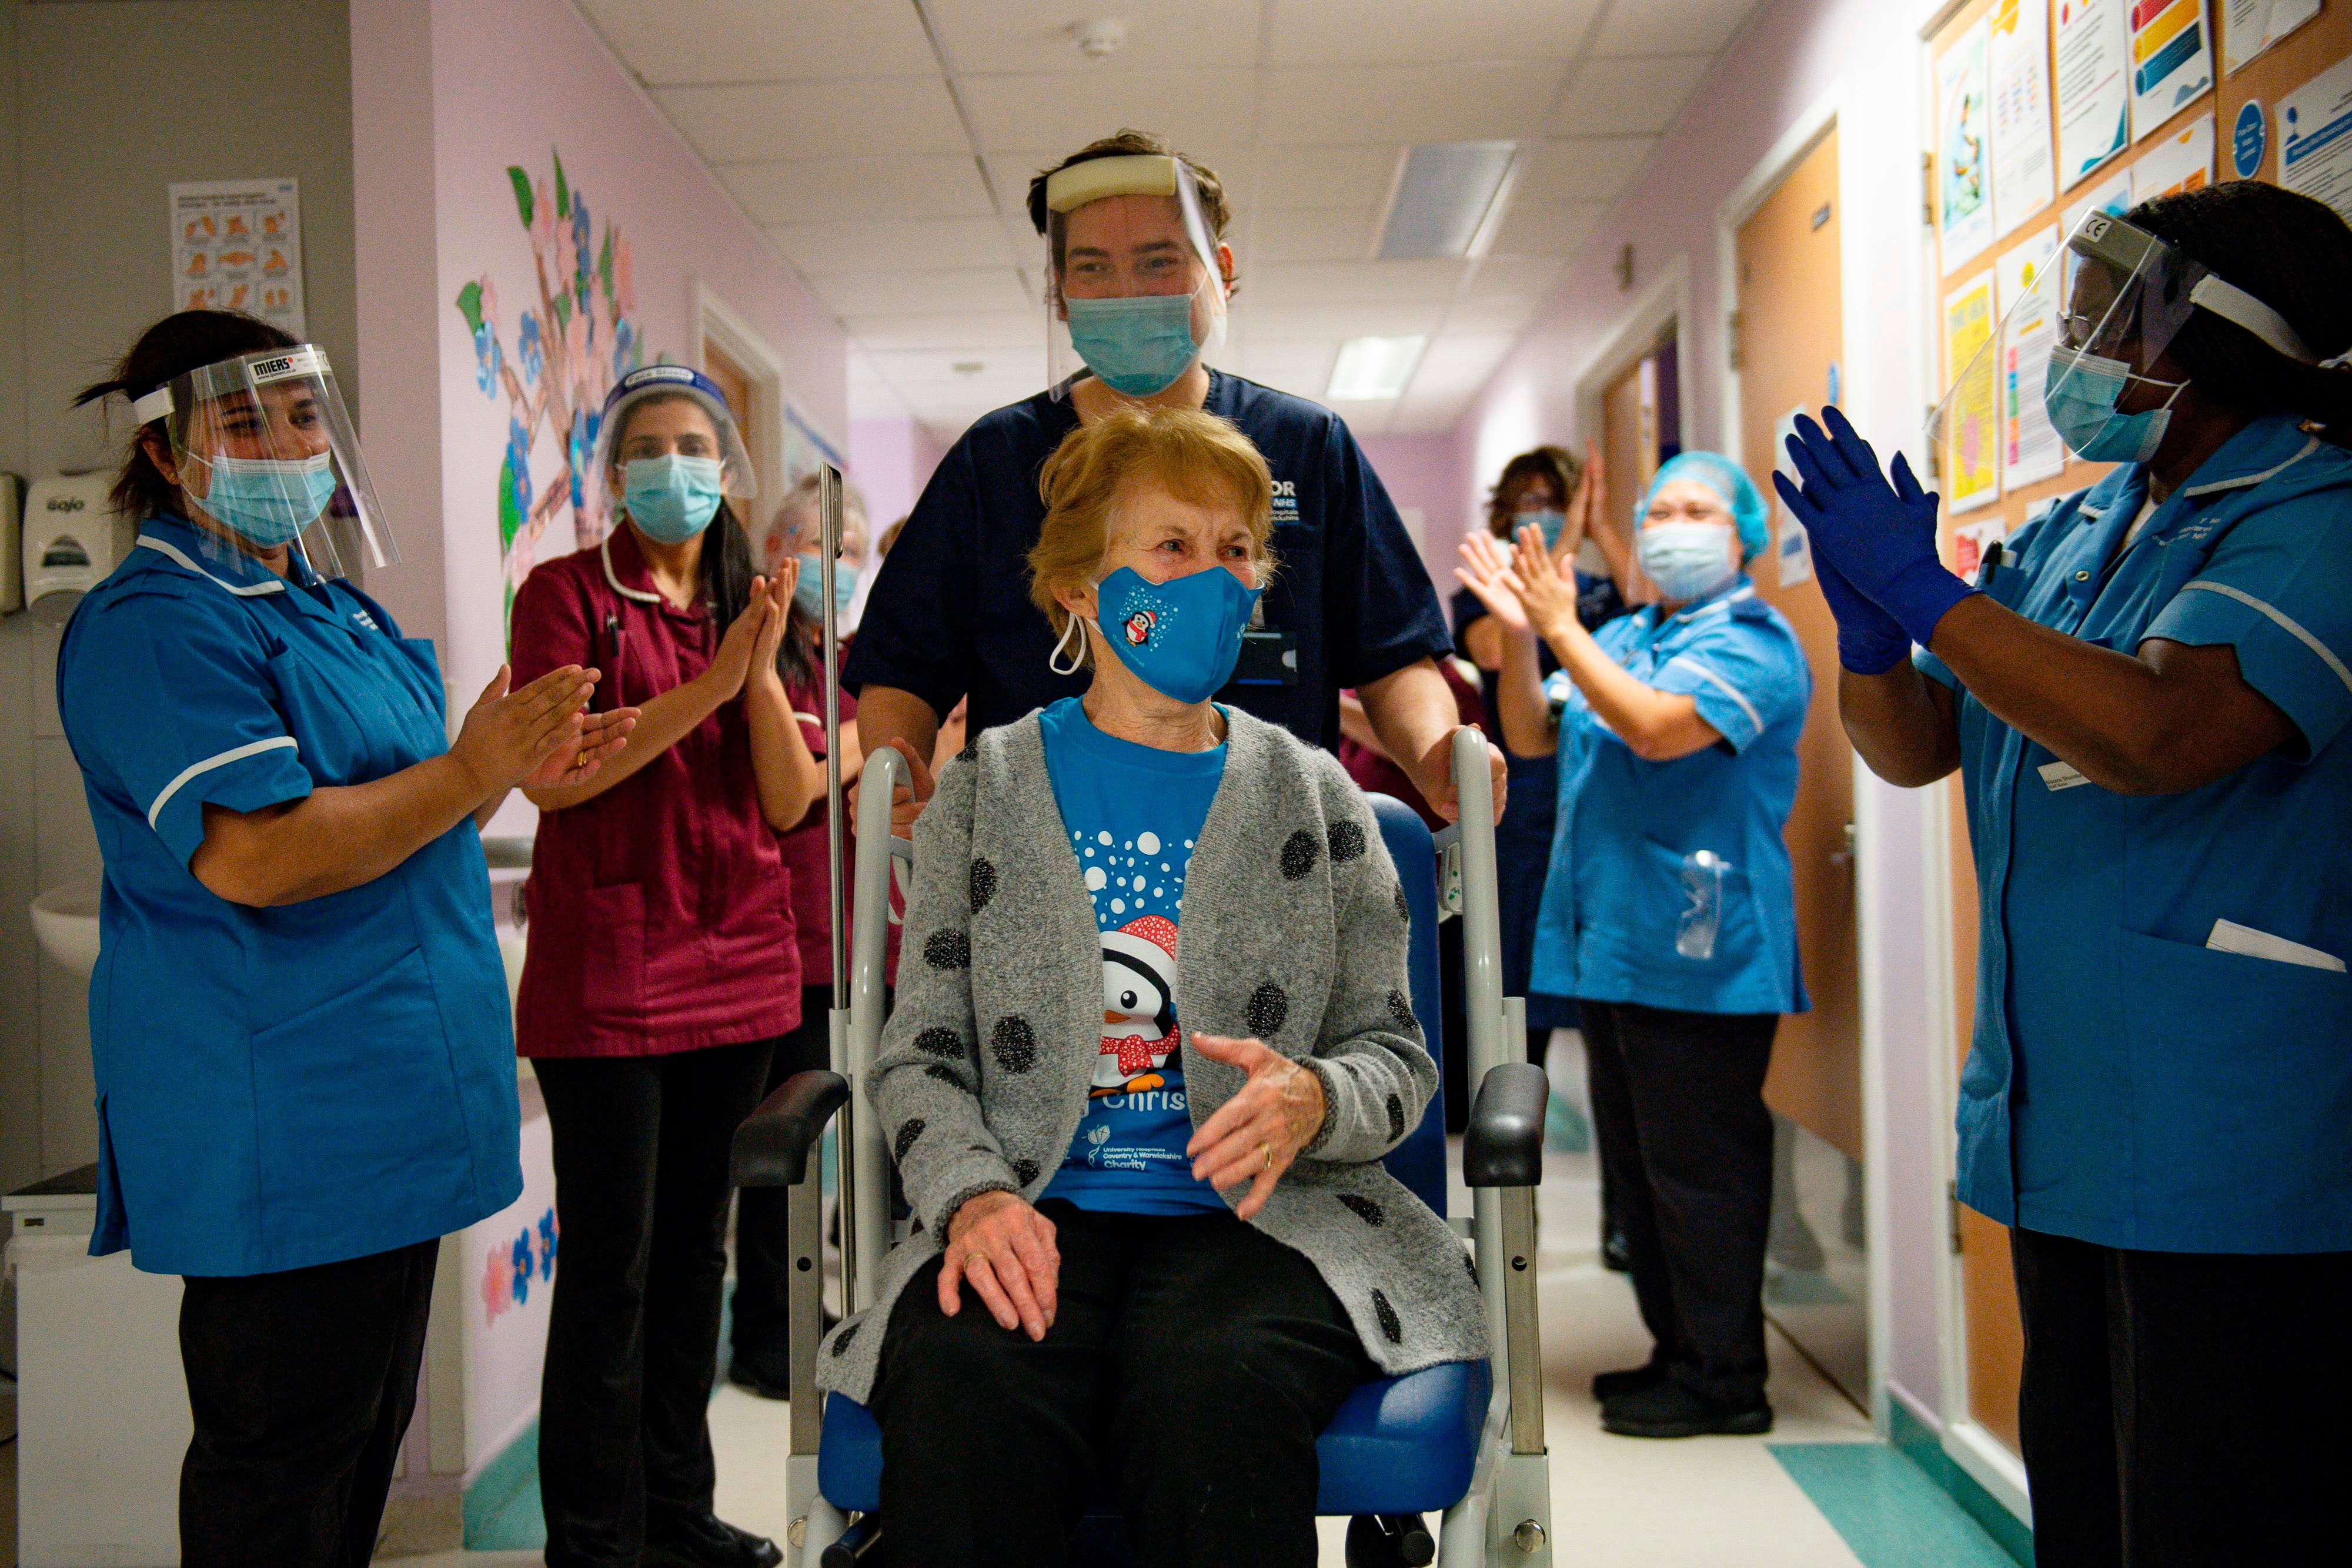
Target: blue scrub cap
pixel 1726 479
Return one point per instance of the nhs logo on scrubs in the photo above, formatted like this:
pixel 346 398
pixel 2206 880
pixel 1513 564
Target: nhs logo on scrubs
pixel 1286 503
pixel 366 620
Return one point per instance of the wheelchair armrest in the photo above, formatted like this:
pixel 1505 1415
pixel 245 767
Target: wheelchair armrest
pixel 1504 1146
pixel 772 1146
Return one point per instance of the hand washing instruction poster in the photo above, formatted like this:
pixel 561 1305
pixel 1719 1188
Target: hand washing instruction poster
pixel 1971 464
pixel 2314 132
pixel 2171 60
pixel 1964 147
pixel 1791 548
pixel 2024 180
pixel 2250 26
pixel 237 245
pixel 2030 447
pixel 2092 89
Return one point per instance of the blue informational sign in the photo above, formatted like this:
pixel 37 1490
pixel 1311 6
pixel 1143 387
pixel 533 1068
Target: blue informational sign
pixel 2249 139
pixel 1837 382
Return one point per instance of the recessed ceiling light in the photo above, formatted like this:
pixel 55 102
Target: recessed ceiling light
pixel 1444 194
pixel 1373 368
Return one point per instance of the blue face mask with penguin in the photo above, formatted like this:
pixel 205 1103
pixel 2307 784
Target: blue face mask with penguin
pixel 1181 637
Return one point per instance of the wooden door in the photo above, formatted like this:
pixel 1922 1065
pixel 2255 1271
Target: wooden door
pixel 1628 435
pixel 1788 340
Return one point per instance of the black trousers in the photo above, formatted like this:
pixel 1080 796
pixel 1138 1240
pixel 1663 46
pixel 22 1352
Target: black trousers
pixel 640 1154
pixel 1191 1365
pixel 2181 1407
pixel 760 1331
pixel 1678 1112
pixel 301 1385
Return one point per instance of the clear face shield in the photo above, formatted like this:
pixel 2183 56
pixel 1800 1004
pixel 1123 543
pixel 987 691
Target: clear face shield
pixel 1134 295
pixel 666 430
pixel 2083 338
pixel 266 457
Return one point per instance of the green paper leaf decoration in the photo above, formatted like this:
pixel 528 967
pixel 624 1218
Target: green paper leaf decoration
pixel 562 311
pixel 605 265
pixel 522 191
pixel 470 304
pixel 510 519
pixel 562 188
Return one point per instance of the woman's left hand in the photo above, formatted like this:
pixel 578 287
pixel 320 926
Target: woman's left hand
pixel 1255 1135
pixel 601 736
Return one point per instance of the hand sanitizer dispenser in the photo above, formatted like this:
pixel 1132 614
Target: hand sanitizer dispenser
pixel 73 537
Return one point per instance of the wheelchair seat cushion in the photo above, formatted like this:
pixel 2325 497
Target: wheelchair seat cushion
pixel 1399 1445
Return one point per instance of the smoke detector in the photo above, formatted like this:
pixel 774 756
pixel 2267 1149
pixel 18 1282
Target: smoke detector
pixel 1097 40
pixel 969 367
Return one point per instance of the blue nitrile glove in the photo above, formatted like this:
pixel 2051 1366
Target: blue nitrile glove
pixel 1880 536
pixel 1870 641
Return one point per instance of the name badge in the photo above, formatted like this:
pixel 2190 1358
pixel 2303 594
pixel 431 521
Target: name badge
pixel 1268 659
pixel 2059 776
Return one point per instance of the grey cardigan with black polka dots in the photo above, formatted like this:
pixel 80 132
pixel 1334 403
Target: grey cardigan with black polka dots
pixel 1293 932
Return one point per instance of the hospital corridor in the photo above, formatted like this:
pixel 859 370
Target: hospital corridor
pixel 1175 783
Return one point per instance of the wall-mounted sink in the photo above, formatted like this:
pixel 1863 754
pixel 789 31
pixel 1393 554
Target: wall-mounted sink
pixel 65 922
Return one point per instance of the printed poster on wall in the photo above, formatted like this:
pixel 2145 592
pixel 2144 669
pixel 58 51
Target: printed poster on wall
pixel 1963 145
pixel 2030 447
pixel 237 245
pixel 2181 161
pixel 1971 463
pixel 2315 130
pixel 2092 86
pixel 2023 160
pixel 1791 548
pixel 2172 60
pixel 2250 26
pixel 1971 541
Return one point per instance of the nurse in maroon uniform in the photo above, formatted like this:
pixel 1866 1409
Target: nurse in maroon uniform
pixel 663 968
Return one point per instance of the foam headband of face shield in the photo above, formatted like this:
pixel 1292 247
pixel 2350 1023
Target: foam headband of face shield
pixel 1136 175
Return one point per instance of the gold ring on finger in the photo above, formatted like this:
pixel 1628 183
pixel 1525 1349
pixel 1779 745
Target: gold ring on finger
pixel 1267 1150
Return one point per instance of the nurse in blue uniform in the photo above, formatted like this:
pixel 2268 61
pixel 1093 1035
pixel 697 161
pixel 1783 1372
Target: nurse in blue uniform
pixel 299 1016
pixel 1669 913
pixel 2145 694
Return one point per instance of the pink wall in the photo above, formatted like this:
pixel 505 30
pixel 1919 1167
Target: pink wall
pixel 891 460
pixel 1865 56
pixel 1427 472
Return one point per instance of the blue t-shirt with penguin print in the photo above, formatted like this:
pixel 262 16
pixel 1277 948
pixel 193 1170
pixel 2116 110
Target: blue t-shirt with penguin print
pixel 1132 813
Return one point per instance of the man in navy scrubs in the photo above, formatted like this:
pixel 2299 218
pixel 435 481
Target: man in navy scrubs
pixel 1137 285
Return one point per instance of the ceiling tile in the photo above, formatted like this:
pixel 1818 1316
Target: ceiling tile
pixel 1011 172
pixel 1298 177
pixel 840 119
pixel 921 293
pixel 1305 359
pixel 1627 97
pixel 1670 26
pixel 1190 108
pixel 668 42
pixel 1034 35
pixel 1329 234
pixel 873 190
pixel 1269 322
pixel 1529 277
pixel 905 367
pixel 1353 282
pixel 1334 106
pixel 1547 228
pixel 1365 418
pixel 1579 168
pixel 979 329
pixel 919 245
pixel 1382 32
pixel 1503 313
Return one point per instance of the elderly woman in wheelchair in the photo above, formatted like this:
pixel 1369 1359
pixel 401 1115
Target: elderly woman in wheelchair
pixel 1151 1040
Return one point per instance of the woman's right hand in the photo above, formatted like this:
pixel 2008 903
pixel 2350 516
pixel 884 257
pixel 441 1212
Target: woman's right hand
pixel 1005 1248
pixel 508 735
pixel 733 663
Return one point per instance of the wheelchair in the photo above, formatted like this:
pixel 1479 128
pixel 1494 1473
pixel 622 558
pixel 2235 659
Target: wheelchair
pixel 1464 1439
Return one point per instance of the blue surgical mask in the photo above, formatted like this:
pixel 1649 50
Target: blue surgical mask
pixel 1686 560
pixel 671 499
pixel 1136 345
pixel 809 591
pixel 1181 637
pixel 2080 390
pixel 1551 520
pixel 266 502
